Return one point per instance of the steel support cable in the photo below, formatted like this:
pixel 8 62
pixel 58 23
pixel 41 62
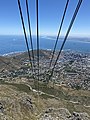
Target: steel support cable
pixel 20 10
pixel 62 20
pixel 70 26
pixel 30 34
pixel 37 40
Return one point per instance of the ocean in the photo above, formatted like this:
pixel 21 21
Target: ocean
pixel 13 44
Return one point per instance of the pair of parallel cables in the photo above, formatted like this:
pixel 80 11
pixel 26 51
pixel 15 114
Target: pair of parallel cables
pixel 66 36
pixel 25 35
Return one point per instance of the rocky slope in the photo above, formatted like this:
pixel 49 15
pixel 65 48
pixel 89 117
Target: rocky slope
pixel 18 101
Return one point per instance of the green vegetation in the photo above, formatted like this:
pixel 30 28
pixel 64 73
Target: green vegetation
pixel 45 96
pixel 59 92
pixel 20 87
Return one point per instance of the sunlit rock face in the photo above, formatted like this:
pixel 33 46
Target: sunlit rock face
pixel 63 114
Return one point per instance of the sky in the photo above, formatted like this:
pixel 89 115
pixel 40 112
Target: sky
pixel 50 14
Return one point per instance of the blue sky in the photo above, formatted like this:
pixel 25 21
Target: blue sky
pixel 50 13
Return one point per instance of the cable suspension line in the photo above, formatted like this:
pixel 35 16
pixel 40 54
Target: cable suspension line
pixel 70 26
pixel 37 40
pixel 20 10
pixel 63 17
pixel 30 34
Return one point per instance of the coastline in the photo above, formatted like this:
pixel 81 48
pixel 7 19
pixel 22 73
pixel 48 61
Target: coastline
pixel 65 50
pixel 13 53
